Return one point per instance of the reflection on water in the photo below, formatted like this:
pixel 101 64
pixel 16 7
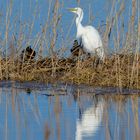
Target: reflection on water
pixel 59 112
pixel 90 121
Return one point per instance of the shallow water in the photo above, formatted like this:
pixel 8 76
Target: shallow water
pixel 67 112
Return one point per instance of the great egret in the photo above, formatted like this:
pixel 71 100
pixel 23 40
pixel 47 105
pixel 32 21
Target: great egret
pixel 88 35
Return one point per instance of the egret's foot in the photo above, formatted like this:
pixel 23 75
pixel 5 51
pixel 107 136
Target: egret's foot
pixel 98 62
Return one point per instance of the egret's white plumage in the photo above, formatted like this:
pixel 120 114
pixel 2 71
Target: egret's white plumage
pixel 88 35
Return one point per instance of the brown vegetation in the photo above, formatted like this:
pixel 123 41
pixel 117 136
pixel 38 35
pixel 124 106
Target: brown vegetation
pixel 121 69
pixel 118 70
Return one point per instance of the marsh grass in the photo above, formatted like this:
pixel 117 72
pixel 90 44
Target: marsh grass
pixel 120 69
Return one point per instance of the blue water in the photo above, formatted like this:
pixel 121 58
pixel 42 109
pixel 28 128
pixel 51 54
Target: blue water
pixel 66 112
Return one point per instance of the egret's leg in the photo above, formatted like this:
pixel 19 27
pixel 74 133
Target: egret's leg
pixel 80 40
pixel 88 55
pixel 100 53
pixel 97 62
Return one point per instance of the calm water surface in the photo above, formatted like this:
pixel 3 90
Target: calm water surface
pixel 67 112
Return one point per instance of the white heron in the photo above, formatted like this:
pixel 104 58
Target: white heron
pixel 88 35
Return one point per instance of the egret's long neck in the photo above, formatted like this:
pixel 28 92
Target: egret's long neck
pixel 79 25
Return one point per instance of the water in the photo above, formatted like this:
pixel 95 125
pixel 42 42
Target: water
pixel 67 112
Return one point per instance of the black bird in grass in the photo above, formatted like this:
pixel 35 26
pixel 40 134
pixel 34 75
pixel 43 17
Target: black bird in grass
pixel 77 49
pixel 28 54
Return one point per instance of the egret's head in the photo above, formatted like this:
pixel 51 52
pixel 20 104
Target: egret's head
pixel 76 10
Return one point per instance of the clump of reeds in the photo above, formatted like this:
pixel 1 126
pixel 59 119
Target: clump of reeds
pixel 121 68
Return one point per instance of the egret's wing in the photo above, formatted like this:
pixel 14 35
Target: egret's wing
pixel 93 36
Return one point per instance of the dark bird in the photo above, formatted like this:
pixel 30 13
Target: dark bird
pixel 77 49
pixel 28 54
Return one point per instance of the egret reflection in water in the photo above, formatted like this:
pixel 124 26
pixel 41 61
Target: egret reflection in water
pixel 90 120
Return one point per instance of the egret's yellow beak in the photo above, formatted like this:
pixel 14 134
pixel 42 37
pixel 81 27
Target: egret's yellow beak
pixel 72 9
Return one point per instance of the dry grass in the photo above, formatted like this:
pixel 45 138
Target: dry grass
pixel 121 69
